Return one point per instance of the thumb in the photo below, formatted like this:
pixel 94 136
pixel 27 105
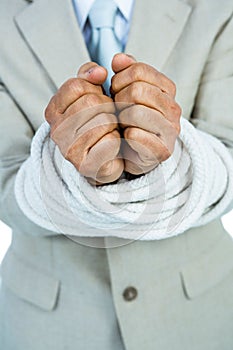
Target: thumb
pixel 122 61
pixel 92 73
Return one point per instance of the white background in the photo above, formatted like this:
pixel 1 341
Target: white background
pixel 5 233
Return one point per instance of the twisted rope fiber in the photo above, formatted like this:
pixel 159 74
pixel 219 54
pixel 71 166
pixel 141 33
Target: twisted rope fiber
pixel 174 197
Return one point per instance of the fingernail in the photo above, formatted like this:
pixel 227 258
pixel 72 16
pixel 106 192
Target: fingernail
pixel 130 56
pixel 86 73
pixel 89 71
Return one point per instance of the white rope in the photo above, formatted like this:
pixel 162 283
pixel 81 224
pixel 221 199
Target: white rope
pixel 191 188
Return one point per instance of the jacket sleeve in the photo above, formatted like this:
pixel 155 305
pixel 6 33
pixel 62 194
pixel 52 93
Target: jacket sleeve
pixel 213 112
pixel 16 134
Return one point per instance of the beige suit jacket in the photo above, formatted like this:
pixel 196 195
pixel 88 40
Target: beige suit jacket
pixel 170 294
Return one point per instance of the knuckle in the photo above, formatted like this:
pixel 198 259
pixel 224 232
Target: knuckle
pixel 47 113
pixel 76 86
pixel 106 99
pixel 175 110
pixel 53 135
pixel 176 114
pixel 137 71
pixel 178 109
pixel 74 157
pixel 171 87
pixel 50 111
pixel 109 118
pixel 85 168
pixel 164 155
pixel 106 169
pixel 114 83
pixel 178 128
pixel 164 152
pixel 123 118
pixel 69 154
pixel 130 133
pixel 106 123
pixel 135 91
pixel 91 100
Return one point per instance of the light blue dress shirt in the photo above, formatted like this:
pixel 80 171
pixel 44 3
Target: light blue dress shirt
pixel 123 18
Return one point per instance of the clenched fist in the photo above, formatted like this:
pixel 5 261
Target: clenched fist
pixel 148 113
pixel 85 122
pixel 84 125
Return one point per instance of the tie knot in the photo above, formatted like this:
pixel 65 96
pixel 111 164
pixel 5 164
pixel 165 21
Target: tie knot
pixel 102 14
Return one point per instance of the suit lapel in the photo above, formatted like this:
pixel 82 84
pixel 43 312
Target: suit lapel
pixel 51 30
pixel 156 27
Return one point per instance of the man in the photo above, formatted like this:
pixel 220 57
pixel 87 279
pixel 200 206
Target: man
pixel 172 293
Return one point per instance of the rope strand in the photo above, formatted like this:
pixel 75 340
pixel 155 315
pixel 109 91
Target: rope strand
pixel 191 188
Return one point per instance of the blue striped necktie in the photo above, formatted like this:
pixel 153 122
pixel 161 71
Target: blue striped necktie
pixel 103 42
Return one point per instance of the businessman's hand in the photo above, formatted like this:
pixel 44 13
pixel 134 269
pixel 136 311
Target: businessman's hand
pixel 84 126
pixel 149 114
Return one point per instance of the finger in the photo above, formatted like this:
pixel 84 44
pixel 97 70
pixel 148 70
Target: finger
pixel 87 136
pixel 150 120
pixel 74 88
pixel 116 166
pixel 93 73
pixel 68 93
pixel 143 72
pixel 111 171
pixel 122 61
pixel 149 147
pixel 92 103
pixel 98 162
pixel 133 164
pixel 84 109
pixel 149 96
pixel 103 157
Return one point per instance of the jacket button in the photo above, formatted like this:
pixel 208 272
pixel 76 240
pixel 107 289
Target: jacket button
pixel 130 293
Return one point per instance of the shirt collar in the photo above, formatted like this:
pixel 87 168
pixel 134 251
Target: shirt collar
pixel 82 9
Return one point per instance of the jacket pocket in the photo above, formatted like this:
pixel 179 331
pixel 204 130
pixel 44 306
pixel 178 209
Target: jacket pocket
pixel 209 269
pixel 29 283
